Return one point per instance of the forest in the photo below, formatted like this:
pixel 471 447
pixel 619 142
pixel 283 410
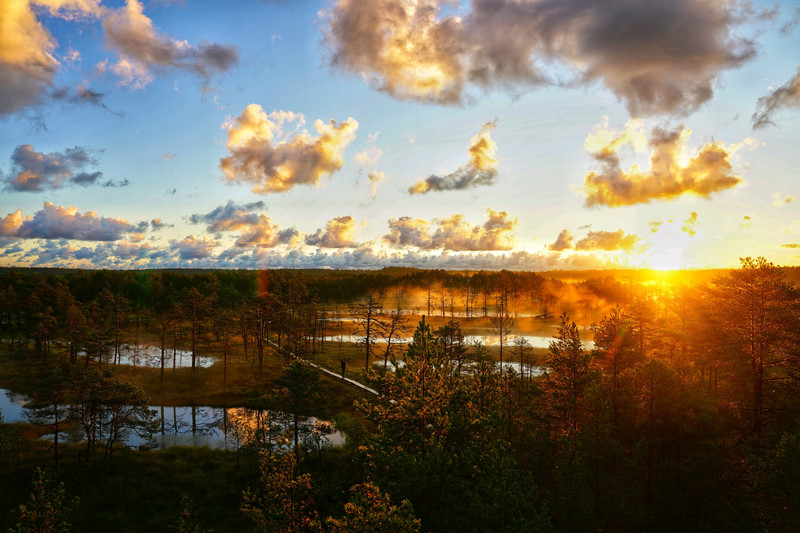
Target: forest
pixel 400 400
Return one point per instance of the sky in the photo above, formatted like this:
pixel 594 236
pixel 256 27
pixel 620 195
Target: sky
pixel 456 134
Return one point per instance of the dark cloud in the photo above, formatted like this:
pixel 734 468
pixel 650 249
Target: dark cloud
pixel 82 94
pixel 141 48
pixel 191 248
pixel 785 96
pixel 33 171
pixel 229 217
pixel 481 169
pixel 56 222
pixel 658 56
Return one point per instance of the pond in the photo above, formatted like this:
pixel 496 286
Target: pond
pixel 535 341
pixel 150 356
pixel 213 427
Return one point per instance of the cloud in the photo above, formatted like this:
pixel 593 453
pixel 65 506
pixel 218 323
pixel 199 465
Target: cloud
pixel 608 241
pixel 670 175
pixel 167 156
pixel 158 224
pixel 780 200
pixel 229 217
pixel 481 169
pixel 265 234
pixel 141 48
pixel 369 158
pixel 690 224
pixel 256 229
pixel 785 96
pixel 27 65
pixel 191 247
pixel 790 245
pixel 746 222
pixel 339 233
pixel 655 225
pixel 453 233
pixel 272 160
pixel 57 222
pixel 565 241
pixel 82 94
pixel 660 56
pixel 33 171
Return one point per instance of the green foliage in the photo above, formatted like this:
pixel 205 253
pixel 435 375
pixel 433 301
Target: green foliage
pixel 371 511
pixel 281 502
pixel 188 521
pixel 47 509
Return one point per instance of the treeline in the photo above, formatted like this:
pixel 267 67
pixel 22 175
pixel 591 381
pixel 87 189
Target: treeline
pixel 683 417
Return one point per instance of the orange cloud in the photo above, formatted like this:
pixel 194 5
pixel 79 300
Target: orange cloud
pixel 453 233
pixel 481 169
pixel 670 174
pixel 27 65
pixel 608 241
pixel 272 160
pixel 339 233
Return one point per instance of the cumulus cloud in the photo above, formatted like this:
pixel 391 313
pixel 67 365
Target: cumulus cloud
pixel 780 200
pixel 191 247
pixel 660 56
pixel 158 224
pixel 34 171
pixel 690 224
pixel 265 234
pixel 27 65
pixel 339 233
pixel 565 241
pixel 671 174
pixel 255 229
pixel 791 245
pixel 57 222
pixel 229 217
pixel 274 160
pixel 453 233
pixel 785 96
pixel 141 48
pixel 608 241
pixel 481 169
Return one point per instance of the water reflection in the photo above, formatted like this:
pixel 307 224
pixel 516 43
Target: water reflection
pixel 198 426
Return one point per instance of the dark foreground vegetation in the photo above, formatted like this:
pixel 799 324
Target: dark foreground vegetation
pixel 683 416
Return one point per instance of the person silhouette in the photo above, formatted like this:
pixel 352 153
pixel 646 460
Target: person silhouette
pixel 344 365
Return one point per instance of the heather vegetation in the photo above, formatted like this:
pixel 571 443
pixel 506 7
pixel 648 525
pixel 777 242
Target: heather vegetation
pixel 656 402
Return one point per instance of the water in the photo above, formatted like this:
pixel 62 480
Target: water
pixel 150 356
pixel 199 426
pixel 535 341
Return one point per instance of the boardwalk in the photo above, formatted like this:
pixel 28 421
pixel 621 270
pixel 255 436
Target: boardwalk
pixel 329 372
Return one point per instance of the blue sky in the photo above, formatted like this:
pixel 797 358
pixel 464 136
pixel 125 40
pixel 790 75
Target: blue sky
pixel 536 135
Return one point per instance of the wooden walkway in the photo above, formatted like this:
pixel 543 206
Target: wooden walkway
pixel 329 372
